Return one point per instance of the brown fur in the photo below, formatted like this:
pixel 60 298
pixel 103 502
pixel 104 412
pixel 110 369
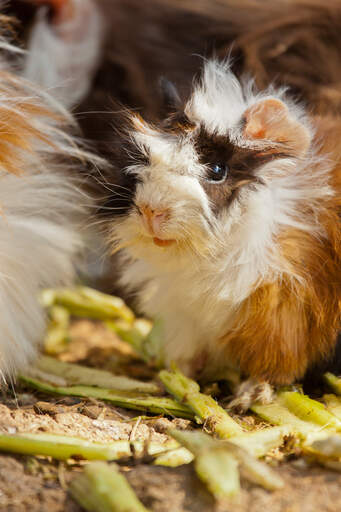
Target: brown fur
pixel 15 143
pixel 290 325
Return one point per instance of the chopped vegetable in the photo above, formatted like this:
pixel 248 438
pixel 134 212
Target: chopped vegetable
pixel 333 382
pixel 260 442
pixel 308 409
pixel 329 447
pixel 333 404
pixel 125 399
pixel 153 346
pixel 65 447
pixel 57 334
pixel 216 467
pixel 102 488
pixel 174 458
pixel 206 409
pixel 86 302
pixel 132 333
pixel 75 374
pixel 254 470
pixel 216 463
pixel 145 338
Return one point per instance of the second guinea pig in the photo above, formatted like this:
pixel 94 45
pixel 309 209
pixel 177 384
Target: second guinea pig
pixel 228 216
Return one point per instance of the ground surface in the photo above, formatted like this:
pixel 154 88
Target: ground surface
pixel 39 484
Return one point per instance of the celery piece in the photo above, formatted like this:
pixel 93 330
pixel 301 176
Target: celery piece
pixel 256 471
pixel 214 465
pixel 219 471
pixel 333 382
pixel 308 409
pixel 153 344
pixel 125 399
pixel 142 336
pixel 64 447
pixel 130 333
pixel 102 488
pixel 187 392
pixel 57 334
pixel 277 414
pixel 329 447
pixel 86 302
pixel 260 442
pixel 75 374
pixel 211 456
pixel 333 404
pixel 174 458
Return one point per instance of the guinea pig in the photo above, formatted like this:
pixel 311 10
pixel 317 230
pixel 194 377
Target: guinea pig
pixel 41 209
pixel 227 218
pixel 228 211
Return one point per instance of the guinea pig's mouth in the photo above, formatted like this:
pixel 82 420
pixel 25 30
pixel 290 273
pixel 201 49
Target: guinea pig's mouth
pixel 163 243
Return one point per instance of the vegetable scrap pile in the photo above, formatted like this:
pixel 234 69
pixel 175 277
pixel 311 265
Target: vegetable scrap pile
pixel 224 449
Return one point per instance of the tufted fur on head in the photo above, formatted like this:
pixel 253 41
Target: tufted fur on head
pixel 233 230
pixel 41 210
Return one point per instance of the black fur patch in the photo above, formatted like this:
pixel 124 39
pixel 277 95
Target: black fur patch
pixel 119 186
pixel 242 163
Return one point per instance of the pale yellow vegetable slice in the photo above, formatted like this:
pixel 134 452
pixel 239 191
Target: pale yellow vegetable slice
pixel 102 488
pixel 75 374
pixel 206 409
pixel 87 302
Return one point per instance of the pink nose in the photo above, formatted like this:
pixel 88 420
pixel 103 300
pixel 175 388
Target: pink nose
pixel 153 218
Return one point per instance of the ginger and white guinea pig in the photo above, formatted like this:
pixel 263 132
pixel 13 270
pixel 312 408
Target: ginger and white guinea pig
pixel 227 215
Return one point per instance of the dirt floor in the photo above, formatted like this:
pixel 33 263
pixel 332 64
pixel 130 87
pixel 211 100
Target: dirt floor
pixel 40 484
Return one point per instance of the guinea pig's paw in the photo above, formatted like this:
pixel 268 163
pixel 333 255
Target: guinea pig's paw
pixel 251 391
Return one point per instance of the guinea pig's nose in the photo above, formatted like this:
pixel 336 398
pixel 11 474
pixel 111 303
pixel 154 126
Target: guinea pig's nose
pixel 154 218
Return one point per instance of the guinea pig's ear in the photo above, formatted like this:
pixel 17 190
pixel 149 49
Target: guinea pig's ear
pixel 170 95
pixel 270 119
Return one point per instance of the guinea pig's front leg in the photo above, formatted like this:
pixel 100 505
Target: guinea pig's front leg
pixel 250 391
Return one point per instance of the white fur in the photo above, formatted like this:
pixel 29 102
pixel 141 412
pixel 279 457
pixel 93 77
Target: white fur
pixel 197 284
pixel 41 210
pixel 38 244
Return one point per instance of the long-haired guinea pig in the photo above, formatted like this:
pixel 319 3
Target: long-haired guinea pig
pixel 41 209
pixel 229 227
pixel 229 214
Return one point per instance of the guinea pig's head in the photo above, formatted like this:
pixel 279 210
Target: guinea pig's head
pixel 200 176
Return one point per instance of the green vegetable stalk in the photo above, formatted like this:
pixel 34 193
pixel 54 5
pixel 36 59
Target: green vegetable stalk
pixel 65 447
pixel 57 334
pixel 206 409
pixel 257 444
pixel 102 488
pixel 125 399
pixel 308 409
pixel 216 467
pixel 75 374
pixel 333 382
pixel 216 463
pixel 86 302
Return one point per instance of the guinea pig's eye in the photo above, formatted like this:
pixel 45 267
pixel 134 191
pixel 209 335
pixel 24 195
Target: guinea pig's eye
pixel 217 172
